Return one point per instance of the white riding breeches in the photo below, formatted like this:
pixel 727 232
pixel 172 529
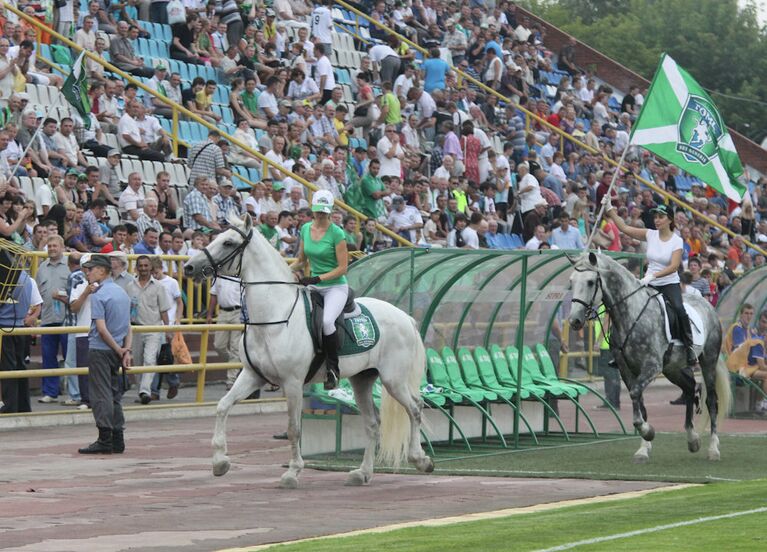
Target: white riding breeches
pixel 335 300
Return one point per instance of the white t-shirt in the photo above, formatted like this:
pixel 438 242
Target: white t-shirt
pixel 389 167
pixel 322 24
pixel 380 52
pixel 407 217
pixel 84 314
pixel 150 128
pixel 404 84
pixel 267 99
pixel 130 200
pixel 323 68
pixel 174 292
pixel 44 196
pixel 127 125
pixel 252 206
pixel 469 235
pixel 227 293
pixel 529 200
pixel 659 256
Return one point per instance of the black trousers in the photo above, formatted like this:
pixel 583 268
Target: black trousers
pixel 673 292
pixel 15 391
pixel 144 154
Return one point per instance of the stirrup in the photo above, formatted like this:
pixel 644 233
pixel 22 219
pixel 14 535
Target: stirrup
pixel 331 380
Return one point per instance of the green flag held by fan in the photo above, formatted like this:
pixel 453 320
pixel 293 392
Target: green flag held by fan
pixel 75 90
pixel 680 123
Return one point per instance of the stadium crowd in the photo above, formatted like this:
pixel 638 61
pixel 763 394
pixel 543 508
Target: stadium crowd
pixel 404 138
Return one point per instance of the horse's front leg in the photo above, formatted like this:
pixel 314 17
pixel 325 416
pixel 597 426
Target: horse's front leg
pixel 247 382
pixel 294 396
pixel 636 390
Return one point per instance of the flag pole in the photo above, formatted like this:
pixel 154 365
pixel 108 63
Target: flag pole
pixel 34 136
pixel 609 190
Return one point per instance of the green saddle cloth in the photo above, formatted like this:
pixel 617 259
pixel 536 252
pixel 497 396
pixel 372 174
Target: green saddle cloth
pixel 360 333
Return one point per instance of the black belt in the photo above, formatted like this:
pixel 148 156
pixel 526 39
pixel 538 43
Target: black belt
pixel 229 309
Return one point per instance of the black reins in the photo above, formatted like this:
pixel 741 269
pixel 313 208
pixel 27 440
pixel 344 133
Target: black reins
pixel 591 311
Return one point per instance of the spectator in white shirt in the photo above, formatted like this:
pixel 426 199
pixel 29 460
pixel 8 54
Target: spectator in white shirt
pixel 390 153
pixel 404 220
pixel 323 73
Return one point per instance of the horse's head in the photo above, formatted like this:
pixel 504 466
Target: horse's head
pixel 224 254
pixel 586 285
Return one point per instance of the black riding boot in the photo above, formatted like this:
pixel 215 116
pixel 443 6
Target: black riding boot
pixel 692 358
pixel 330 348
pixel 118 442
pixel 101 446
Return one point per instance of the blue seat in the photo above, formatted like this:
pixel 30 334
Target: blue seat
pixel 254 175
pixel 142 47
pixel 221 95
pixel 516 241
pixel 185 131
pixel 226 113
pixel 199 132
pixel 167 34
pixel 183 70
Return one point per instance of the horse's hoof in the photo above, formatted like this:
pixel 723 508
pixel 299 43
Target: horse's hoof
pixel 649 433
pixel 714 455
pixel 641 459
pixel 425 465
pixel 220 468
pixel 694 445
pixel 357 478
pixel 288 481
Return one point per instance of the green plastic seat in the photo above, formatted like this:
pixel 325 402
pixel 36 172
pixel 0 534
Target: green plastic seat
pixel 457 382
pixel 439 377
pixel 530 365
pixel 512 360
pixel 473 377
pixel 549 371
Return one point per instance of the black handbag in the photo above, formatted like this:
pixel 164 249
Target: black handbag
pixel 165 356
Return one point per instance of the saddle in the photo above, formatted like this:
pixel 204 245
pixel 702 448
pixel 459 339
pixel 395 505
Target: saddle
pixel 672 326
pixel 317 308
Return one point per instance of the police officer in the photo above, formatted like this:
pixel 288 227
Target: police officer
pixel 109 341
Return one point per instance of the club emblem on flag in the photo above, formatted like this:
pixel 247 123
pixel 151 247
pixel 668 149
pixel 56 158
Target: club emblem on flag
pixel 700 129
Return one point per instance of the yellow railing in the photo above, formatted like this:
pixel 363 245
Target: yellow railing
pixel 179 109
pixel 193 290
pixel 201 367
pixel 553 128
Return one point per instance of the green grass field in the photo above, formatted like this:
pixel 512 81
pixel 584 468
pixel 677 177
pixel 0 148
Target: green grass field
pixel 743 457
pixel 567 527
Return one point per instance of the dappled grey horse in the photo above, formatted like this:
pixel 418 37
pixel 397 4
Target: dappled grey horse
pixel 641 348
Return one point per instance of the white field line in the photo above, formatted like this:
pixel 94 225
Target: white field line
pixel 479 516
pixel 655 529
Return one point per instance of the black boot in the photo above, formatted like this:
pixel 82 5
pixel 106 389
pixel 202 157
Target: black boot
pixel 101 446
pixel 692 358
pixel 330 348
pixel 118 442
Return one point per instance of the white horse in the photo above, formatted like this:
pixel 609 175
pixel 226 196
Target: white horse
pixel 280 350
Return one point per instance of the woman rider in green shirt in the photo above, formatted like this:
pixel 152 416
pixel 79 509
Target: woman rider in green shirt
pixel 323 244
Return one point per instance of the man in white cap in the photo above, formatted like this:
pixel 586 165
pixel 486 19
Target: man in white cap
pixel 160 85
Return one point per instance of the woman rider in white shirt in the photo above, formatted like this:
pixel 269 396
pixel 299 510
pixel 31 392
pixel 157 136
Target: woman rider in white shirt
pixel 664 256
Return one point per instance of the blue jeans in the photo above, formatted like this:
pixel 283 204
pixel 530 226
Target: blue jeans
pixel 172 379
pixel 73 385
pixel 51 344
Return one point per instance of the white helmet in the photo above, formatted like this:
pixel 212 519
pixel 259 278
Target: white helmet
pixel 322 201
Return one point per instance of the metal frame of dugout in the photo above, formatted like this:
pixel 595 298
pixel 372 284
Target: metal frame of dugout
pixel 464 298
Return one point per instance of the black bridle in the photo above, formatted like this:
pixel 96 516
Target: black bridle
pixel 237 253
pixel 591 312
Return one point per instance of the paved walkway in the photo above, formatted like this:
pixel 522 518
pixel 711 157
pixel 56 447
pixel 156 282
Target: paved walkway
pixel 161 495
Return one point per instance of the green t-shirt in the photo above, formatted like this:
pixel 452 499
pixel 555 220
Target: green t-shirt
pixel 271 235
pixel 250 101
pixel 322 253
pixel 393 117
pixel 371 207
pixel 351 240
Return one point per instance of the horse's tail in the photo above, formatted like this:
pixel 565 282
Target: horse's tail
pixel 723 395
pixel 395 422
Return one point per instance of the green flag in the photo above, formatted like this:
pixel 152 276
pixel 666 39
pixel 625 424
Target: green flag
pixel 75 90
pixel 680 123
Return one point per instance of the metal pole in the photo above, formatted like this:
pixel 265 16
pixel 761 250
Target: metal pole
pixel 610 189
pixel 34 136
pixel 520 345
